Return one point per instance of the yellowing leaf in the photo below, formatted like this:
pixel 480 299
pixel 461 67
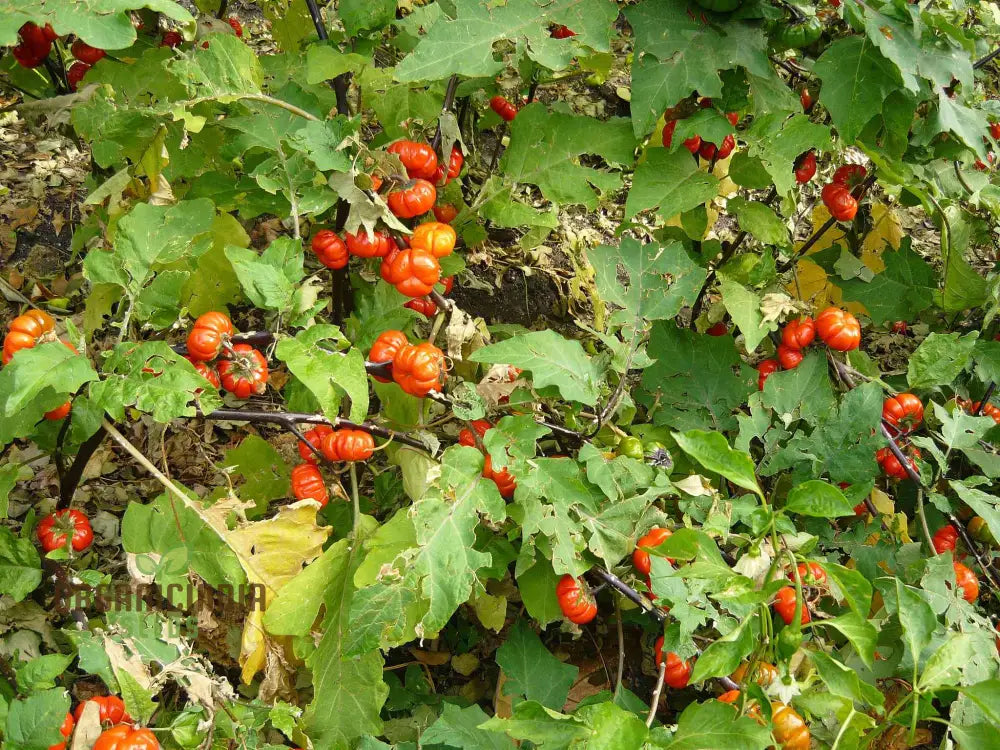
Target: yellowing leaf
pixel 813 284
pixel 272 552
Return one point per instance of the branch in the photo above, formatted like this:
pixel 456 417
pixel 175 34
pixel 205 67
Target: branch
pixel 629 593
pixel 858 194
pixel 71 479
pixel 985 399
pixel 290 419
pixel 341 82
pixel 727 252
pixel 982 61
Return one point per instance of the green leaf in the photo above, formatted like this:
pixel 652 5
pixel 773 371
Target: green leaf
pixel 380 615
pixel 464 44
pixel 677 54
pixel 944 666
pixel 744 307
pixel 41 672
pixel 537 586
pixel 980 736
pixel 697 381
pixel 324 142
pixel 845 439
pixel 961 430
pixel 804 391
pixel 445 520
pixel 542 726
pixel 268 279
pixel 139 701
pixel 669 182
pixel 348 690
pixel 858 631
pixel 712 451
pixel 551 360
pixel 38 380
pixel 227 68
pixel 265 474
pixel 33 723
pixel 857 80
pixel 552 499
pixel 51 367
pixel 712 725
pixel 760 220
pixel 845 682
pixel 612 727
pixel 324 62
pixel 657 280
pixel 723 656
pixel 983 503
pixel 545 149
pixel 8 478
pixel 153 378
pixel 148 238
pixel 361 15
pixel 298 602
pixel 904 289
pixel 504 210
pixel 531 670
pixel 460 728
pixel 778 141
pixel 915 615
pixel 437 559
pixel 940 359
pixel 104 24
pixel 855 588
pixel 818 499
pixel 986 695
pixel 329 375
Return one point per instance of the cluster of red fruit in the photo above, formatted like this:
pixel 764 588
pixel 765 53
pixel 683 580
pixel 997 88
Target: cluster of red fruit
pixel 840 195
pixel 24 332
pixel 413 270
pixel 506 484
pixel 36 44
pixel 86 56
pixel 836 328
pixel 695 144
pixel 418 369
pixel 986 410
pixel 121 735
pixel 576 599
pixel 240 369
pixel 902 413
pixel 811 574
pixel 344 444
pixel 944 540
